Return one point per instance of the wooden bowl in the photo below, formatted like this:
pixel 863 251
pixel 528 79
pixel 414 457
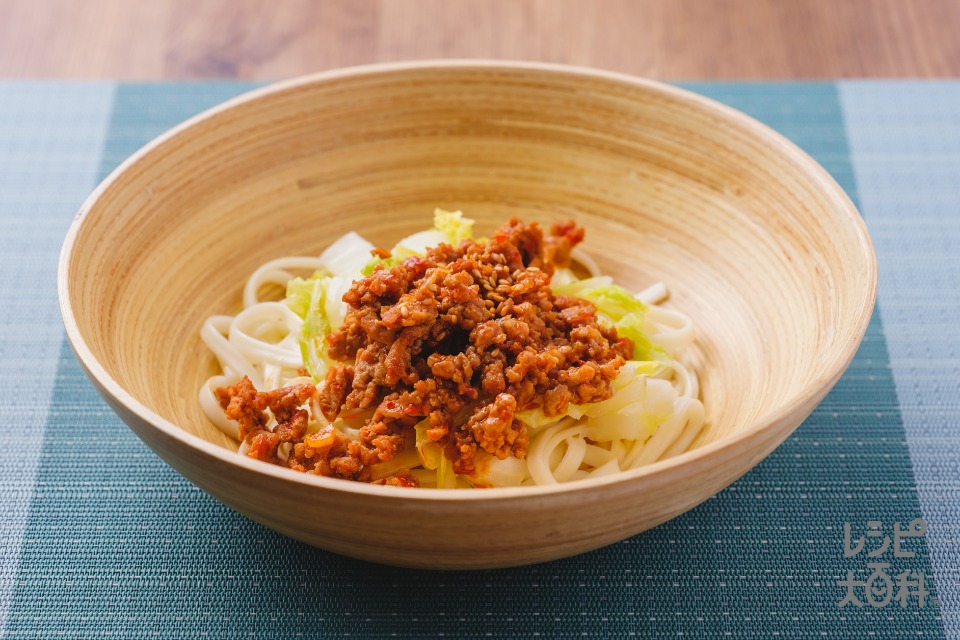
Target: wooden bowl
pixel 755 241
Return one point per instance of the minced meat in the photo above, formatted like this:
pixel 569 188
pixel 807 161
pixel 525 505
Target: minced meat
pixel 463 338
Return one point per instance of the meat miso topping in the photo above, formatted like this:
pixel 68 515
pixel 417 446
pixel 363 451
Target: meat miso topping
pixel 458 341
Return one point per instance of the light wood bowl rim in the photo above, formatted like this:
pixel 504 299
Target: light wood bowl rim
pixel 811 393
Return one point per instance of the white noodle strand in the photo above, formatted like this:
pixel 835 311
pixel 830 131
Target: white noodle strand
pixel 276 272
pixel 585 261
pixel 653 294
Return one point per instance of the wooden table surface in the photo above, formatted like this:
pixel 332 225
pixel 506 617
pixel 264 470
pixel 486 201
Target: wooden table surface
pixel 673 39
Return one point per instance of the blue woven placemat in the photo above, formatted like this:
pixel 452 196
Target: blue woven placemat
pixel 100 538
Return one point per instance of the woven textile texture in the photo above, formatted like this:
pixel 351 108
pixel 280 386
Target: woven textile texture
pixel 102 539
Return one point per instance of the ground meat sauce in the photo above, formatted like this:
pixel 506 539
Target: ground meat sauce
pixel 463 338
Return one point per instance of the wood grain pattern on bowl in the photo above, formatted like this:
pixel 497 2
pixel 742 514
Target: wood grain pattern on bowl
pixel 754 240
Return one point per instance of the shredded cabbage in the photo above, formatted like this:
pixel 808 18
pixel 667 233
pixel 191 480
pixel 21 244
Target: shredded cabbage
pixel 453 225
pixel 619 308
pixel 610 299
pixel 448 227
pixel 334 306
pixel 300 292
pixel 347 255
pixel 535 418
pixel 397 256
pixel 633 412
pixel 432 457
pixel 318 300
pixel 629 388
pixel 491 471
pixel 306 298
pixel 631 326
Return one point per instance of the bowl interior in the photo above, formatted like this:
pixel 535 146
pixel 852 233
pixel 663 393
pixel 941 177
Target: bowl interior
pixel 752 239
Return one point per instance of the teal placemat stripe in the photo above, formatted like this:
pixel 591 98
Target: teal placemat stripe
pixel 905 143
pixel 51 135
pixel 140 553
pixel 145 110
